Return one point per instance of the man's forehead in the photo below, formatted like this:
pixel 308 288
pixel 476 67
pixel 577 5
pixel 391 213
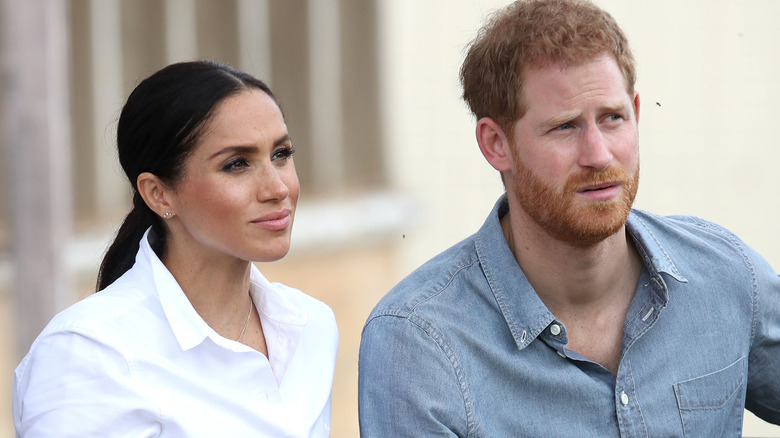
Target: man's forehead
pixel 544 77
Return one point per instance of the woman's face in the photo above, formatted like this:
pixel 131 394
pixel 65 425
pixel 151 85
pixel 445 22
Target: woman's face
pixel 239 190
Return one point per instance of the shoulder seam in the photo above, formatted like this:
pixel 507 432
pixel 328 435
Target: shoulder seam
pixel 407 308
pixel 436 336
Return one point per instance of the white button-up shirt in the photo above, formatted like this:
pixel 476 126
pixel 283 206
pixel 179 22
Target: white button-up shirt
pixel 136 360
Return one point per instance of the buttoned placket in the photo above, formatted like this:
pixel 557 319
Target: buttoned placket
pixel 646 299
pixel 555 336
pixel 628 412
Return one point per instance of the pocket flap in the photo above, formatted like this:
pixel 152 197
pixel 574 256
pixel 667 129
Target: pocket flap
pixel 713 390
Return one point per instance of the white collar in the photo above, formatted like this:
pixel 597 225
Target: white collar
pixel 282 319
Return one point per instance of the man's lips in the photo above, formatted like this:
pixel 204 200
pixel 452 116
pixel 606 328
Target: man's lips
pixel 276 221
pixel 600 192
pixel 601 186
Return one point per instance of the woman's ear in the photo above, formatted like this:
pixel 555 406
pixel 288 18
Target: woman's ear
pixel 156 194
pixel 494 144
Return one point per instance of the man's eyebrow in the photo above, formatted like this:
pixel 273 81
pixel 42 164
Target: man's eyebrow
pixel 567 117
pixel 617 107
pixel 247 149
pixel 560 119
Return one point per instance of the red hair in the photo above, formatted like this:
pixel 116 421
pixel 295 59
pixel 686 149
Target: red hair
pixel 536 33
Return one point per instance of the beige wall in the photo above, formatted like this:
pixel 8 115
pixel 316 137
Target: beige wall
pixel 706 79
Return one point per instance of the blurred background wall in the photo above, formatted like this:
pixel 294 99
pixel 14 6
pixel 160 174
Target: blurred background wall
pixel 390 171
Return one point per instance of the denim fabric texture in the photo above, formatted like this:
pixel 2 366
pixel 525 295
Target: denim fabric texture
pixel 464 347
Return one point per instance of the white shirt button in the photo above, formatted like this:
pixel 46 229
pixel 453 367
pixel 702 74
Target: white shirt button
pixel 624 398
pixel 555 329
pixel 562 354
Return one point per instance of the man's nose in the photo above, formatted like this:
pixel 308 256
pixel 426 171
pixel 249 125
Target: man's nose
pixel 594 149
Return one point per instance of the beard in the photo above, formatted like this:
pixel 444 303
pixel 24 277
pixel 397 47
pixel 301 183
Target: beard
pixel 560 215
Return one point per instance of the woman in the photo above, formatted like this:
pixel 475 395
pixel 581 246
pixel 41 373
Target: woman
pixel 186 338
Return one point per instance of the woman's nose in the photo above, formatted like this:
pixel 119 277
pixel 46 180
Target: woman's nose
pixel 271 185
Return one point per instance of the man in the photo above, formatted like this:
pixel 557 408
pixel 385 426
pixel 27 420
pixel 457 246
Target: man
pixel 568 313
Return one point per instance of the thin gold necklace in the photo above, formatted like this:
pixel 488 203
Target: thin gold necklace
pixel 246 323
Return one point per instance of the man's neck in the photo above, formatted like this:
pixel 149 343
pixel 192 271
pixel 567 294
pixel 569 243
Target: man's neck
pixel 566 276
pixel 588 289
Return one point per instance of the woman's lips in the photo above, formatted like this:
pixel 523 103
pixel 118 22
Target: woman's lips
pixel 275 221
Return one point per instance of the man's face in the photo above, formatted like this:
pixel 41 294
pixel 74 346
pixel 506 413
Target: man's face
pixel 575 151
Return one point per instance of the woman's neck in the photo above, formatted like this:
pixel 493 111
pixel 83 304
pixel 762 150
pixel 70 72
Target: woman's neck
pixel 217 286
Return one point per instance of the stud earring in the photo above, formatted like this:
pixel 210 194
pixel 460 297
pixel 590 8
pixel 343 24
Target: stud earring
pixel 167 215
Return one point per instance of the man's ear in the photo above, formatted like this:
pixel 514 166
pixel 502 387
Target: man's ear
pixel 636 105
pixel 155 193
pixel 494 144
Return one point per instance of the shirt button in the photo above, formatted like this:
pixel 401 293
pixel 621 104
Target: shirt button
pixel 561 354
pixel 624 398
pixel 555 329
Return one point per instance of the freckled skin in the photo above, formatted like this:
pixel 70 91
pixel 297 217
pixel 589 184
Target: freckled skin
pixel 575 151
pixel 240 172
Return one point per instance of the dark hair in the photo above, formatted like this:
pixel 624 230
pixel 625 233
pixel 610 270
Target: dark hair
pixel 536 33
pixel 159 127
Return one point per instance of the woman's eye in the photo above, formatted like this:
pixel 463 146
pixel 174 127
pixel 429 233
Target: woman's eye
pixel 283 154
pixel 235 165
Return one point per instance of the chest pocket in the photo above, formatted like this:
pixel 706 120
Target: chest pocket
pixel 710 405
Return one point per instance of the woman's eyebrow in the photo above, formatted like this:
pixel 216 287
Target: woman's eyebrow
pixel 282 140
pixel 234 149
pixel 247 149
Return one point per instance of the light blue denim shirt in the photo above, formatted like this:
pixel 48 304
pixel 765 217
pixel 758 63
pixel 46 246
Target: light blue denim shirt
pixel 464 346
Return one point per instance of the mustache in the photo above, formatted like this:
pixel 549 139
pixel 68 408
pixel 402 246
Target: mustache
pixel 592 177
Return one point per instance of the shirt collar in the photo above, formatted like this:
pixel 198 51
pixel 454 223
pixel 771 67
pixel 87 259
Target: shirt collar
pixel 524 312
pixel 283 321
pixel 282 318
pixel 655 257
pixel 188 327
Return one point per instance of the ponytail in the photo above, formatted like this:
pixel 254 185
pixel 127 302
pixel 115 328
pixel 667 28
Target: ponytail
pixel 120 256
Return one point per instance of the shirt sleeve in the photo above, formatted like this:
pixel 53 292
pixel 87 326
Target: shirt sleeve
pixel 408 384
pixel 763 391
pixel 72 385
